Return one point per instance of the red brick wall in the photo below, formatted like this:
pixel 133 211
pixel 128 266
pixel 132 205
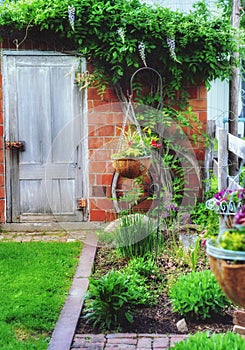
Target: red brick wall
pixel 104 115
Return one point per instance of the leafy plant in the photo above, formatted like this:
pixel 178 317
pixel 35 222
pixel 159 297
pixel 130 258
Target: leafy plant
pixel 198 295
pixel 205 341
pixel 110 300
pixel 136 236
pixel 132 145
pixel 193 254
pixel 207 219
pixel 145 267
pixel 201 215
pixel 233 239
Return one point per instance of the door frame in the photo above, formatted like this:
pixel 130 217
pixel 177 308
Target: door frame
pixel 12 171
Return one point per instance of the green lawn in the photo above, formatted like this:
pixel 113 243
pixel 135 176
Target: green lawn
pixel 35 278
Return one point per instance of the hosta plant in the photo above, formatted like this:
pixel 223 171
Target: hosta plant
pixel 110 300
pixel 197 295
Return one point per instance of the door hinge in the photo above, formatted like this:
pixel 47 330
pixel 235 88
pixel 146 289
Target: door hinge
pixel 15 145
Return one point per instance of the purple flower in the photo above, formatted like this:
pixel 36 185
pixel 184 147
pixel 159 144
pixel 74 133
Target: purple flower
pixel 71 15
pixel 240 217
pixel 203 243
pixel 172 207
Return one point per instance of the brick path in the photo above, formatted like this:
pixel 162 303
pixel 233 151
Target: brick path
pixel 123 341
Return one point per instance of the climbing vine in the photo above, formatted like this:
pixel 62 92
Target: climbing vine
pixel 120 36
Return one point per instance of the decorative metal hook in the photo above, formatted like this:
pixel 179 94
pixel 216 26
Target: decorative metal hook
pixel 153 70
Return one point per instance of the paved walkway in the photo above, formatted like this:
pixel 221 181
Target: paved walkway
pixel 64 336
pixel 125 341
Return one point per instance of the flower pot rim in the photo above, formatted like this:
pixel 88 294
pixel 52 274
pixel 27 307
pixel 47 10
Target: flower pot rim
pixel 118 157
pixel 221 253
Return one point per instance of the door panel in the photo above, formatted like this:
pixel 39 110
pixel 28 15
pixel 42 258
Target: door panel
pixel 43 108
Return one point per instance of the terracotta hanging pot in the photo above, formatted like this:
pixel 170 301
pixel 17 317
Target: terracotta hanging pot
pixel 228 267
pixel 131 167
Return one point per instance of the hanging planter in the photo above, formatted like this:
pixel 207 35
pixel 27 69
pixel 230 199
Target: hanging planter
pixel 229 269
pixel 133 158
pixel 131 168
pixel 227 260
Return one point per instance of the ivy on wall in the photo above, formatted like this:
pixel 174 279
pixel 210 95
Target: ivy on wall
pixel 120 36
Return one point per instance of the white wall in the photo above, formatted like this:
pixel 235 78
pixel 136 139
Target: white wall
pixel 182 5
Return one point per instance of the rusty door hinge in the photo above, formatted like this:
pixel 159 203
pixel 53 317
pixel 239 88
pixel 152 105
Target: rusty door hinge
pixel 15 145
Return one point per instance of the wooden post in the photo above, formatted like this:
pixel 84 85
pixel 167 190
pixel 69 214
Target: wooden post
pixel 222 166
pixel 222 159
pixel 234 89
pixel 209 153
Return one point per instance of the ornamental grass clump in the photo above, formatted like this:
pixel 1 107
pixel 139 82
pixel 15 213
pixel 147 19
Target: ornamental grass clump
pixel 197 295
pixel 136 236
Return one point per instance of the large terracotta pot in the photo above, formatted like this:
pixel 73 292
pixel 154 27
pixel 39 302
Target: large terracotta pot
pixel 229 269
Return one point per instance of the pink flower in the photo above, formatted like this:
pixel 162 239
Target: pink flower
pixel 203 243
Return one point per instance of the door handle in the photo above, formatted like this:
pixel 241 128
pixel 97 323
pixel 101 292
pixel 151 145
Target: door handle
pixel 15 145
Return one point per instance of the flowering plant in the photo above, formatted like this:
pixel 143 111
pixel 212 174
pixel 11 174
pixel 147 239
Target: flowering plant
pixel 135 145
pixel 227 201
pixel 234 238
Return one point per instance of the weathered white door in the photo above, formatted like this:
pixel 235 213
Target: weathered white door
pixel 44 109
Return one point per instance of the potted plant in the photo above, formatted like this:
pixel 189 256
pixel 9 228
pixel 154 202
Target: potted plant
pixel 227 259
pixel 133 158
pixel 227 203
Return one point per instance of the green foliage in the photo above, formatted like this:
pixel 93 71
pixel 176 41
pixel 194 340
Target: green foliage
pixel 188 255
pixel 233 239
pixel 110 32
pixel 200 215
pixel 197 295
pixel 110 300
pixel 136 236
pixel 205 341
pixel 194 254
pixel 35 278
pixel 132 145
pixel 145 267
pixel 207 219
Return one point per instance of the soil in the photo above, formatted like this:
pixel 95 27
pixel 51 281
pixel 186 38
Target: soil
pixel 159 318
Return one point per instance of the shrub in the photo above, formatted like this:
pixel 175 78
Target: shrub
pixel 202 341
pixel 110 300
pixel 198 295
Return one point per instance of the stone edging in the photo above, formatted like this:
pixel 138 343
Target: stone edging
pixel 65 328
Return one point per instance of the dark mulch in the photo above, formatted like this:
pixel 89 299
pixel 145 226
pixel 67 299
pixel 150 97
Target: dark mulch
pixel 159 318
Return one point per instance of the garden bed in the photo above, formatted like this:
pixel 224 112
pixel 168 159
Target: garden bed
pixel 159 318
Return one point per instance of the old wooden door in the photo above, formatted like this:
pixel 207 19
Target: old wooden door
pixel 44 109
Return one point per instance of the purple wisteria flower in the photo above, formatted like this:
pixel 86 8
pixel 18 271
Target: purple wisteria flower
pixel 71 15
pixel 141 48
